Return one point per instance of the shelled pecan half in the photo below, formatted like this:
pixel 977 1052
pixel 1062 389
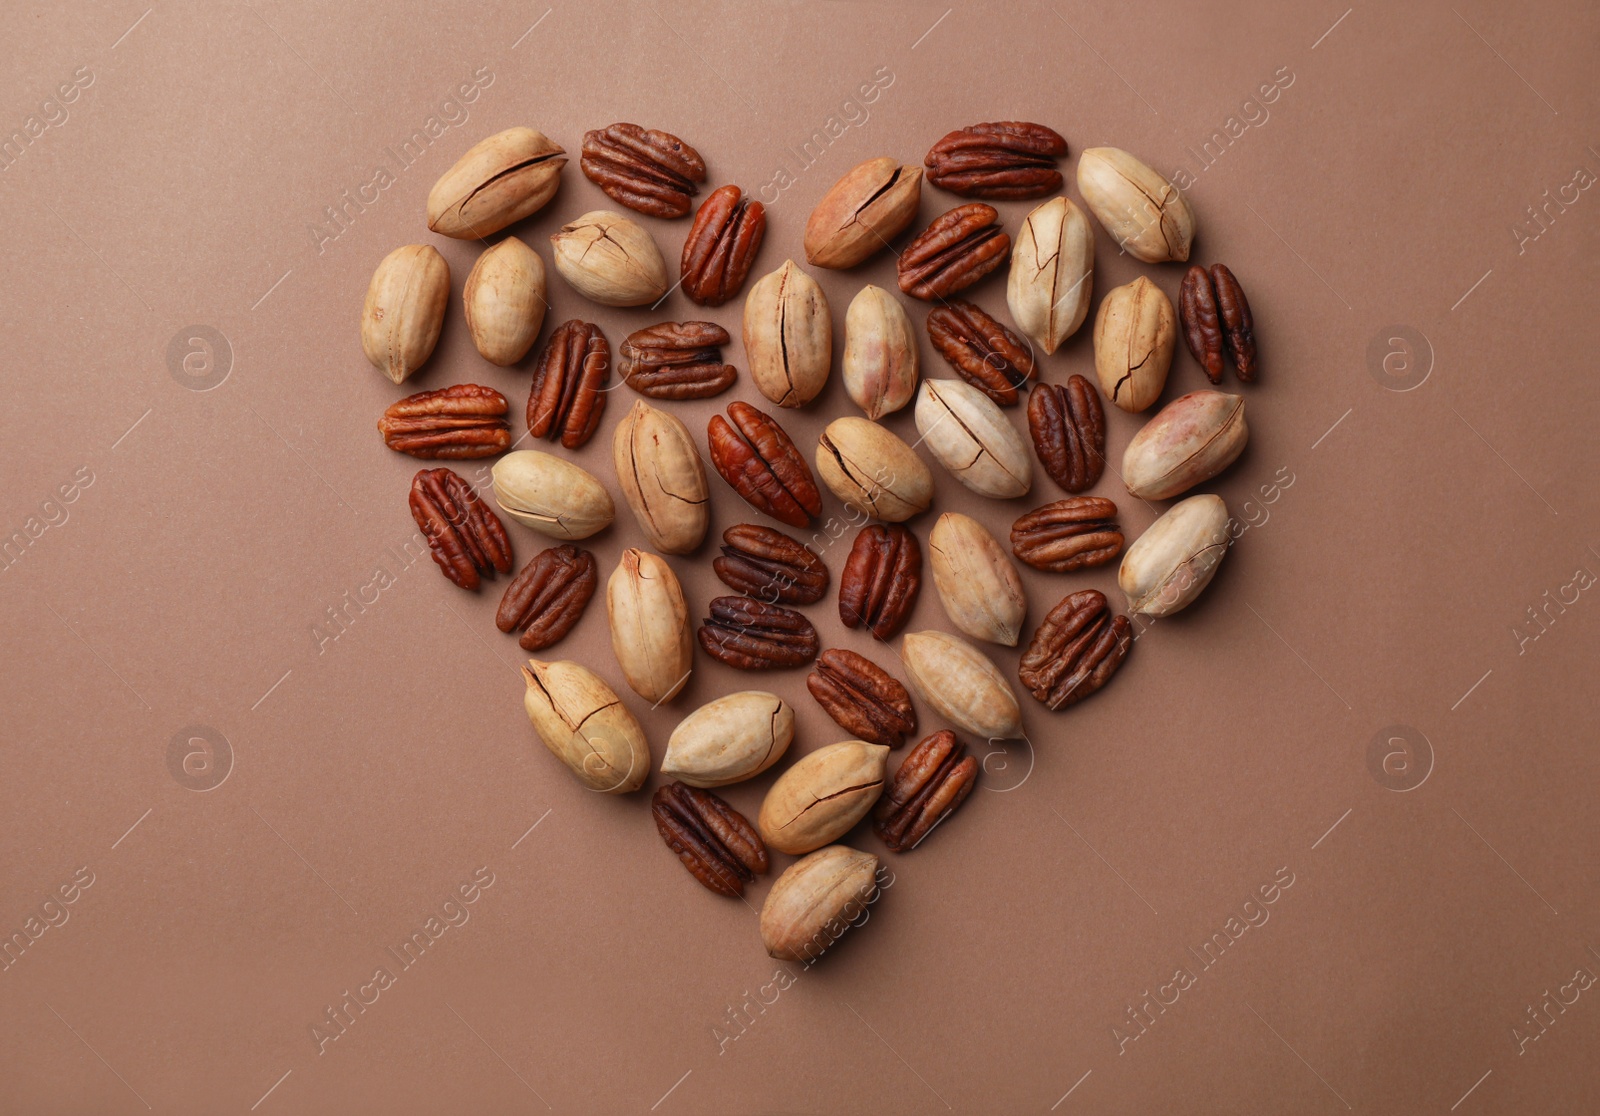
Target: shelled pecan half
pixel 466 538
pixel 770 566
pixel 881 579
pixel 958 249
pixel 982 351
pixel 1216 322
pixel 568 397
pixel 676 360
pixel 460 421
pixel 759 461
pixel 547 598
pixel 1068 426
pixel 1076 650
pixel 716 844
pixel 722 244
pixel 862 698
pixel 935 777
pixel 1007 160
pixel 1067 535
pixel 753 635
pixel 653 172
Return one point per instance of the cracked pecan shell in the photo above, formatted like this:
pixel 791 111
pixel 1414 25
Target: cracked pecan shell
pixel 958 249
pixel 547 598
pixel 1068 426
pixel 1007 160
pixel 460 421
pixel 982 351
pixel 1076 650
pixel 721 246
pixel 676 360
pixel 653 172
pixel 862 698
pixel 713 840
pixel 770 566
pixel 568 397
pixel 935 777
pixel 748 634
pixel 1068 535
pixel 881 579
pixel 466 538
pixel 758 460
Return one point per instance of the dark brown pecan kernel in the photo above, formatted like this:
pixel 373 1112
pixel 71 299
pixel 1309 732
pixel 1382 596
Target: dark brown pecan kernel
pixel 1068 426
pixel 986 354
pixel 759 462
pixel 862 698
pixel 1007 160
pixel 935 777
pixel 722 244
pixel 1068 534
pixel 881 579
pixel 1235 312
pixel 1215 317
pixel 677 360
pixel 719 847
pixel 753 635
pixel 548 597
pixel 461 421
pixel 466 538
pixel 954 252
pixel 1076 650
pixel 770 566
pixel 567 396
pixel 650 171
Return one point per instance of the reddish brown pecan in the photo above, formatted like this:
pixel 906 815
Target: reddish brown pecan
pixel 881 579
pixel 1068 534
pixel 770 566
pixel 461 421
pixel 958 249
pixel 650 171
pixel 1068 426
pixel 759 461
pixel 935 777
pixel 985 353
pixel 862 698
pixel 1235 311
pixel 1007 160
pixel 1076 650
pixel 567 396
pixel 466 538
pixel 722 244
pixel 719 847
pixel 677 360
pixel 1216 322
pixel 548 597
pixel 753 635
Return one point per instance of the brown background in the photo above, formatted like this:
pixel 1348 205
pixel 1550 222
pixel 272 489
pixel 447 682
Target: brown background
pixel 369 777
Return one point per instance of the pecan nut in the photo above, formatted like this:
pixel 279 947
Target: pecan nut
pixel 1076 650
pixel 1067 535
pixel 759 462
pixel 567 397
pixel 770 566
pixel 881 579
pixel 1068 426
pixel 676 360
pixel 982 351
pixel 935 777
pixel 1007 160
pixel 862 698
pixel 466 538
pixel 653 172
pixel 722 244
pixel 460 421
pixel 1216 317
pixel 716 844
pixel 748 634
pixel 958 249
pixel 547 598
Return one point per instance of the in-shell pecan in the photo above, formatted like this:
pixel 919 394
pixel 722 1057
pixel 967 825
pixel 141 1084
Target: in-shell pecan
pixel 935 777
pixel 749 634
pixel 460 421
pixel 568 397
pixel 677 360
pixel 1216 316
pixel 650 171
pixel 759 461
pixel 986 354
pixel 863 699
pixel 722 244
pixel 1068 534
pixel 881 579
pixel 770 566
pixel 1068 426
pixel 1076 650
pixel 958 249
pixel 466 538
pixel 1006 160
pixel 719 847
pixel 548 597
